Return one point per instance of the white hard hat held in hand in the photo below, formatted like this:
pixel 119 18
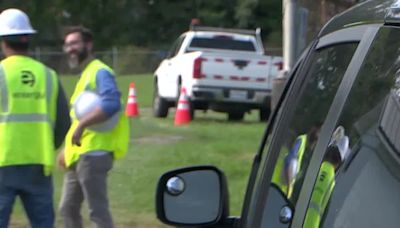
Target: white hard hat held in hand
pixel 341 141
pixel 85 103
pixel 15 22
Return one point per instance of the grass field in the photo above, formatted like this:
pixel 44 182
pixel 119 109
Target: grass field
pixel 158 146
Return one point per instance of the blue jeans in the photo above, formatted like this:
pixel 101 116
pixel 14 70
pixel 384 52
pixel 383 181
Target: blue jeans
pixel 35 191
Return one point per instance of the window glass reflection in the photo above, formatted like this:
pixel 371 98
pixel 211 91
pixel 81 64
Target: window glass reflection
pixel 325 75
pixel 366 184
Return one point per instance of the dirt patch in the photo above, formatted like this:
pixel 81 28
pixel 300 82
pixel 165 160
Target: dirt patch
pixel 158 139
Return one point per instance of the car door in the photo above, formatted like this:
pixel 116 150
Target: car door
pixel 300 126
pixel 367 178
pixel 166 73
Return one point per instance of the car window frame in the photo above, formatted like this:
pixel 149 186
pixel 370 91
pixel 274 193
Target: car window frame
pixel 258 156
pixel 389 160
pixel 330 122
pixel 255 202
pixel 298 74
pixel 268 131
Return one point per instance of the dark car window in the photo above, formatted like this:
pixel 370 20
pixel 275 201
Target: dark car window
pixel 222 43
pixel 366 178
pixel 176 46
pixel 325 73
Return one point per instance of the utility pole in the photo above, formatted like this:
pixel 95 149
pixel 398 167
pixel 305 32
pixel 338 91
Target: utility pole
pixel 289 49
pixel 289 34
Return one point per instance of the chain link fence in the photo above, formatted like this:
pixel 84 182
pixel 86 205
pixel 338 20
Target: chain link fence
pixel 124 62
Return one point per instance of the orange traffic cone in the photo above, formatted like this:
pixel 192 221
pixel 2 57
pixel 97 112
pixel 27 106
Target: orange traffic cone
pixel 182 115
pixel 132 108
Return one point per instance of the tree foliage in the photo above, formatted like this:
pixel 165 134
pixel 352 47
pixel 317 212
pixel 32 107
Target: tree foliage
pixel 153 23
pixel 321 11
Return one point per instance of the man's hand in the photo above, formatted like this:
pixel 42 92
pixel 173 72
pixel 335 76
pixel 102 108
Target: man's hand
pixel 61 159
pixel 76 136
pixel 94 117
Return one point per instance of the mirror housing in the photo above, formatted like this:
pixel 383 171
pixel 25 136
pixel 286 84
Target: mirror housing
pixel 192 196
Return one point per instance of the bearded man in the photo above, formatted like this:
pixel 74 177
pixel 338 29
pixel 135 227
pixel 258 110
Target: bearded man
pixel 88 155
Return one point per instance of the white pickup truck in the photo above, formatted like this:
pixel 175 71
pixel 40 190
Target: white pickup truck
pixel 224 70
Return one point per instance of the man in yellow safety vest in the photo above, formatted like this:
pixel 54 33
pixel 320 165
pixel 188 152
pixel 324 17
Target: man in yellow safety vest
pixel 89 154
pixel 33 123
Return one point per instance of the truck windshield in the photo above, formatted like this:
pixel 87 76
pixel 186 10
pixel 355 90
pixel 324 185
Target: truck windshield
pixel 222 42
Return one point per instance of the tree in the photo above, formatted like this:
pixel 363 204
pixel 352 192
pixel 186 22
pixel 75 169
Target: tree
pixel 156 23
pixel 264 14
pixel 322 11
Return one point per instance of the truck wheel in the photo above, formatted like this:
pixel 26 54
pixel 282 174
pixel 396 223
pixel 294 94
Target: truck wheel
pixel 235 116
pixel 191 111
pixel 160 105
pixel 264 114
pixel 179 86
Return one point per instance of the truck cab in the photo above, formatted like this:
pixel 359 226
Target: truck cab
pixel 330 156
pixel 224 70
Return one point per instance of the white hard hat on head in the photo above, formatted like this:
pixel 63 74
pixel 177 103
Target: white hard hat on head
pixel 15 22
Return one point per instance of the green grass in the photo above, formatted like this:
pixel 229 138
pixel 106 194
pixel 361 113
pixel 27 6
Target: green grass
pixel 158 146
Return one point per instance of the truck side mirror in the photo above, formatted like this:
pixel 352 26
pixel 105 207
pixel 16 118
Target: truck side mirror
pixel 192 196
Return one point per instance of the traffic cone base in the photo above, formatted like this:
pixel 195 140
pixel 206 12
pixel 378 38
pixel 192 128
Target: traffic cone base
pixel 182 115
pixel 132 108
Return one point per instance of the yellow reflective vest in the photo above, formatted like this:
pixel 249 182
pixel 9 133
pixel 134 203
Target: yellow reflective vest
pixel 28 103
pixel 320 196
pixel 279 175
pixel 116 140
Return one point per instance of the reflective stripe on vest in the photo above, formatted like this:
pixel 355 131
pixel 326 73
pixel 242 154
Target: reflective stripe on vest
pixel 25 118
pixel 49 86
pixel 320 196
pixel 3 90
pixel 92 140
pixel 302 139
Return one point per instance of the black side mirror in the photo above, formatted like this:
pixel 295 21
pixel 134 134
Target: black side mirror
pixel 192 196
